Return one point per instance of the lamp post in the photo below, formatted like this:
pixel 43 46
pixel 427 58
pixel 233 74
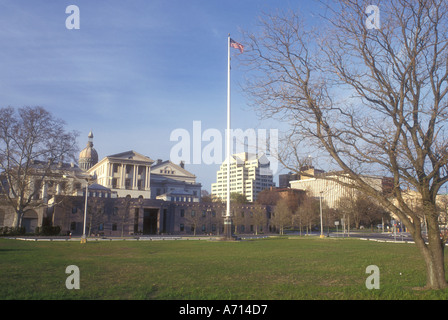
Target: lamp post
pixel 87 179
pixel 321 224
pixel 84 236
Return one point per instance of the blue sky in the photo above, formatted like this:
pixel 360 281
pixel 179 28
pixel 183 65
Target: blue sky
pixel 134 71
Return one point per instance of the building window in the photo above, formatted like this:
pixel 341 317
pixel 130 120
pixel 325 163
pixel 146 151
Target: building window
pixel 115 211
pixel 182 213
pixel 193 213
pixel 203 228
pixel 181 227
pixel 73 226
pixel 74 209
pixel 114 227
pixel 101 227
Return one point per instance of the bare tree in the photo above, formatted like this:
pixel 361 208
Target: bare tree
pixel 95 215
pixel 282 216
pixel 194 219
pixel 259 218
pixel 372 101
pixel 29 135
pixel 307 213
pixel 350 213
pixel 237 217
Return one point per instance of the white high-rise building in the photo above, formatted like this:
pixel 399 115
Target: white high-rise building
pixel 326 185
pixel 249 174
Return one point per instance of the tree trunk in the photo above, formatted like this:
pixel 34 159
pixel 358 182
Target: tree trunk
pixel 17 219
pixel 18 215
pixel 435 268
pixel 433 255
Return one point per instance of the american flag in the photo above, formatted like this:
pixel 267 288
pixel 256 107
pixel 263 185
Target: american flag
pixel 236 45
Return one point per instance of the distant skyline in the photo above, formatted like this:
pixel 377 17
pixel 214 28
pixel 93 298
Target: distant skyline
pixel 134 71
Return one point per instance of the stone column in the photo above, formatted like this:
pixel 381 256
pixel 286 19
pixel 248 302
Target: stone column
pixel 123 176
pixel 134 178
pixel 147 178
pixel 44 192
pixel 109 175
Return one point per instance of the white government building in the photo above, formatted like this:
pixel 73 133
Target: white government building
pixel 249 174
pixel 133 174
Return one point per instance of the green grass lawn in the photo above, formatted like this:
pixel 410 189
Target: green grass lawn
pixel 269 269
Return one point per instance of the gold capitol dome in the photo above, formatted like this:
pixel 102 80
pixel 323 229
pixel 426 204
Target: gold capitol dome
pixel 88 157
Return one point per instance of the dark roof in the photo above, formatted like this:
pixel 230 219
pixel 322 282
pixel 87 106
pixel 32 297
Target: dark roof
pixel 97 186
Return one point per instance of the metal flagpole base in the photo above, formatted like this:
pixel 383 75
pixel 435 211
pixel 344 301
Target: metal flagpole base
pixel 83 239
pixel 227 236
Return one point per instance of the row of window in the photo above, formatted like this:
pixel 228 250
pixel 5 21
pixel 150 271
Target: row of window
pixel 97 194
pixel 182 199
pixel 203 228
pixel 213 213
pixel 100 226
pixel 193 213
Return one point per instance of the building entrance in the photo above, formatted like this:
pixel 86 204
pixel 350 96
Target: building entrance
pixel 150 221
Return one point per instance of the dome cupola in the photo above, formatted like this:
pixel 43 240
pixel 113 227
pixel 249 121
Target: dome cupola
pixel 88 157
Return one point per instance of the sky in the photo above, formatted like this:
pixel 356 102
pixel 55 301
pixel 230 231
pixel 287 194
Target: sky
pixel 134 71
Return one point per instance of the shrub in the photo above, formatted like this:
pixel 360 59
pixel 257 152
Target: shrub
pixel 48 230
pixel 10 231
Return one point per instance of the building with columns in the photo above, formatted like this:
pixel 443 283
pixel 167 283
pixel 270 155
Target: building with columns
pixel 133 174
pixel 124 217
pixel 122 176
pixel 126 173
pixel 46 181
pixel 171 182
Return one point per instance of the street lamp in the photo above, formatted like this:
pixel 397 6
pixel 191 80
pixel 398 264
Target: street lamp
pixel 84 236
pixel 87 178
pixel 321 224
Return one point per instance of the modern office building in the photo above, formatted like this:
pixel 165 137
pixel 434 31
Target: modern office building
pixel 249 174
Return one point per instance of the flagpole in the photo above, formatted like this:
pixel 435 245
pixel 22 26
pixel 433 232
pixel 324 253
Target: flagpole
pixel 228 128
pixel 228 219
